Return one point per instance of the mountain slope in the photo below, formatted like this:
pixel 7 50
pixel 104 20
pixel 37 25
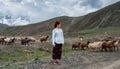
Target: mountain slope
pixel 35 29
pixel 106 17
pixel 3 26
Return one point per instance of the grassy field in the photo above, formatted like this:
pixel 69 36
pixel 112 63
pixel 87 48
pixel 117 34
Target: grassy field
pixel 40 52
pixel 99 31
pixel 19 54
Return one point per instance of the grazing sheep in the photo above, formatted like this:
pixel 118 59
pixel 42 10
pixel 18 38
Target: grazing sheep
pixel 18 39
pixel 108 45
pixel 44 38
pixel 116 44
pixel 9 40
pixel 75 46
pixel 2 40
pixel 25 41
pixel 95 45
pixel 84 44
pixel 32 39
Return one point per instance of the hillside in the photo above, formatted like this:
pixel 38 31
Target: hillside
pixel 3 26
pixel 106 17
pixel 35 29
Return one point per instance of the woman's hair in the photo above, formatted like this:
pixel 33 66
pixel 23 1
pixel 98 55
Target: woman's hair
pixel 56 23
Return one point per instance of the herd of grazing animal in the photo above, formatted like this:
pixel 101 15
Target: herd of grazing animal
pixel 105 45
pixel 7 40
pixel 22 40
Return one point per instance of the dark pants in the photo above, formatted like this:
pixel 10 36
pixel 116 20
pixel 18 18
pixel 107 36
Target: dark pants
pixel 57 51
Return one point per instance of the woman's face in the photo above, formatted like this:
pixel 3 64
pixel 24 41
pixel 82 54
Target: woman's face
pixel 59 26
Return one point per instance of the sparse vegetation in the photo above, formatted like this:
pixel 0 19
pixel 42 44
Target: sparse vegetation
pixel 18 53
pixel 94 32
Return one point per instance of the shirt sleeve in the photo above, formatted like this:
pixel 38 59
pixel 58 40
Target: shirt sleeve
pixel 53 38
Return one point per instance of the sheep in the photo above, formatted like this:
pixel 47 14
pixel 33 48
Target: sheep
pixel 108 44
pixel 116 44
pixel 9 40
pixel 44 38
pixel 84 44
pixel 32 39
pixel 22 38
pixel 95 45
pixel 25 41
pixel 2 40
pixel 18 38
pixel 75 46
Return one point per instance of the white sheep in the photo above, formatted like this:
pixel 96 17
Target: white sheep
pixel 95 45
pixel 7 39
pixel 116 44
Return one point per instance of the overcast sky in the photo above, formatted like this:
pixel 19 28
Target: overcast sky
pixel 40 10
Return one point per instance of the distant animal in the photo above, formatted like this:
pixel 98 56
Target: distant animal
pixel 108 45
pixel 9 40
pixel 116 45
pixel 2 40
pixel 84 44
pixel 75 46
pixel 44 38
pixel 32 39
pixel 25 41
pixel 95 45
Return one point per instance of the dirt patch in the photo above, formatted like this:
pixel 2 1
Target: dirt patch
pixel 80 60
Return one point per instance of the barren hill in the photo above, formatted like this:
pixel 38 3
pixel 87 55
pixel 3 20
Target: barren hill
pixel 106 17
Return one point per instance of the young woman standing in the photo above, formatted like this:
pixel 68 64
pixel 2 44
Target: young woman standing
pixel 57 41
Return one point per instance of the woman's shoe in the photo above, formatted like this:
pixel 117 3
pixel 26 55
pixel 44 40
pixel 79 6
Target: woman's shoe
pixel 56 62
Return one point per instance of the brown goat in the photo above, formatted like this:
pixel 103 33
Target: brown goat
pixel 44 38
pixel 84 44
pixel 108 45
pixel 75 46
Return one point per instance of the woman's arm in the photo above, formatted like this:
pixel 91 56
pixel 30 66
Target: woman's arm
pixel 62 37
pixel 53 38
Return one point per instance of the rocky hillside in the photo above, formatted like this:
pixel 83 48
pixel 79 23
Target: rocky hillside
pixel 106 17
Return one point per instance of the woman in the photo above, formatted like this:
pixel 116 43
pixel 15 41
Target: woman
pixel 57 41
